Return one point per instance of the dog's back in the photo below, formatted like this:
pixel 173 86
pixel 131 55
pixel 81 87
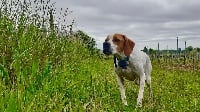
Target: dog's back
pixel 142 60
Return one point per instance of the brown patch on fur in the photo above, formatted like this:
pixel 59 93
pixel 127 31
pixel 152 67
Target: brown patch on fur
pixel 123 44
pixel 128 46
pixel 118 39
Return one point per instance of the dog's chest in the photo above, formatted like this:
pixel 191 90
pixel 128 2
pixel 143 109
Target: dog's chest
pixel 130 73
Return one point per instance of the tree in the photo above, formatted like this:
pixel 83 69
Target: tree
pixel 152 51
pixel 198 49
pixel 145 49
pixel 189 48
pixel 87 40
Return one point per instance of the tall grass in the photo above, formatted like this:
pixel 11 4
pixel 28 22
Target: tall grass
pixel 44 68
pixel 38 60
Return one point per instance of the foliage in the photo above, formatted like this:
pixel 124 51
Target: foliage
pixel 44 68
pixel 87 40
pixel 145 49
pixel 152 51
pixel 198 49
pixel 189 48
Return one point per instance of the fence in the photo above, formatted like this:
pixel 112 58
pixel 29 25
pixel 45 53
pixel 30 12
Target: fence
pixel 183 61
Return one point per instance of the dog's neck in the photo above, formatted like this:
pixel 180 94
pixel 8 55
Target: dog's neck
pixel 121 61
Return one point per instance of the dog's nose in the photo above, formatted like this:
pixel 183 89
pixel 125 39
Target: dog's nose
pixel 107 48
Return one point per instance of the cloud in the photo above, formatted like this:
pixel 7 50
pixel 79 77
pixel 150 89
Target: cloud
pixel 145 21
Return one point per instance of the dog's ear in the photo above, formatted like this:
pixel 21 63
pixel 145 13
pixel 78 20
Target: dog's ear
pixel 128 46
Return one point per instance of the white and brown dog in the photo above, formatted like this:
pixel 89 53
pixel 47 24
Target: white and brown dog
pixel 130 64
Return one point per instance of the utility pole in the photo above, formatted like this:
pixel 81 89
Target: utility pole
pixel 177 44
pixel 158 52
pixel 185 44
pixel 185 53
pixel 177 54
pixel 166 54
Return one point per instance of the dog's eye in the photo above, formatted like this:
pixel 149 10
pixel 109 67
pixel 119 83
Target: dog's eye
pixel 116 40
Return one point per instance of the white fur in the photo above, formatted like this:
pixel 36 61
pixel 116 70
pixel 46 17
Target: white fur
pixel 138 70
pixel 113 46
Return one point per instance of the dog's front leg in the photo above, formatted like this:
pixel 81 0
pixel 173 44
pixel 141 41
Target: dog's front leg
pixel 141 90
pixel 122 89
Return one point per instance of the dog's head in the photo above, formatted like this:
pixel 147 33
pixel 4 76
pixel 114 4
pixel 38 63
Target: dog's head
pixel 120 44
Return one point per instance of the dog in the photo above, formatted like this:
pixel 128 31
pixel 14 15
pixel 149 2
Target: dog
pixel 130 64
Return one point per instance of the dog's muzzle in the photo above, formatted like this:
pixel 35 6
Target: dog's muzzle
pixel 107 48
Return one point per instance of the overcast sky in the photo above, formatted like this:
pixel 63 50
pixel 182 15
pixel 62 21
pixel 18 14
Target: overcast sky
pixel 146 22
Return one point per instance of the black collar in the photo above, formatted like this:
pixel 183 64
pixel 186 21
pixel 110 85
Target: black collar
pixel 122 62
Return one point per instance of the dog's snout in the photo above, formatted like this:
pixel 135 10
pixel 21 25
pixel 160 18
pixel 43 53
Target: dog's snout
pixel 107 48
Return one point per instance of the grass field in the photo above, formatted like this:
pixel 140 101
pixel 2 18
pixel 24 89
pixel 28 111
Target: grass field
pixel 42 71
pixel 90 84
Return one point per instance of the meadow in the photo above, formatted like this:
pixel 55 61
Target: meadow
pixel 46 68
